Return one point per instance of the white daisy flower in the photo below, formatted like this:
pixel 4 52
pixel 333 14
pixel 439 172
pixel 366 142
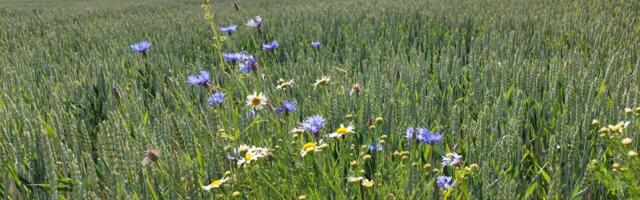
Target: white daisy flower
pixel 215 184
pixel 340 132
pixel 257 100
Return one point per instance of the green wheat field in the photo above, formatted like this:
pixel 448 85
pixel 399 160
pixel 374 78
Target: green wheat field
pixel 359 99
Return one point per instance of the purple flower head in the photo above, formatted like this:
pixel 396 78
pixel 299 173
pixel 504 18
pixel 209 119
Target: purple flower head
pixel 313 124
pixel 451 159
pixel 445 182
pixel 229 29
pixel 315 44
pixel 201 79
pixel 270 46
pixel 141 47
pixel 422 135
pixel 431 138
pixel 286 107
pixel 375 147
pixel 216 98
pixel 251 114
pixel 249 64
pixel 233 57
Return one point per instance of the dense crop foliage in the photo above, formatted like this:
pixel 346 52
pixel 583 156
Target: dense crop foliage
pixel 512 86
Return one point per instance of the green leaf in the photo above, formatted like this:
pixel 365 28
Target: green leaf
pixel 52 133
pixel 531 189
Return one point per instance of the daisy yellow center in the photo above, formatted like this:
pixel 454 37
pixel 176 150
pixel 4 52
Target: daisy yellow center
pixel 216 183
pixel 341 130
pixel 256 101
pixel 249 156
pixel 367 183
pixel 308 146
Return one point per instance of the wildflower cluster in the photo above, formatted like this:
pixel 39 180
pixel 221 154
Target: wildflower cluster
pixel 311 130
pixel 617 165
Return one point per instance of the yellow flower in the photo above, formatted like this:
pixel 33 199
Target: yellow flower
pixel 311 147
pixel 604 130
pixel 615 165
pixel 379 120
pixel 257 100
pixel 595 122
pixel 322 81
pixel 619 127
pixel 632 153
pixel 626 141
pixel 342 131
pixel 215 184
pixel 367 183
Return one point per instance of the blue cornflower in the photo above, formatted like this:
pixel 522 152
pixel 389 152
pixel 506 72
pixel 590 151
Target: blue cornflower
pixel 233 57
pixel 445 182
pixel 286 107
pixel 250 64
pixel 426 136
pixel 270 46
pixel 141 47
pixel 451 159
pixel 375 147
pixel 432 138
pixel 422 135
pixel 313 124
pixel 411 134
pixel 315 44
pixel 216 98
pixel 251 114
pixel 229 29
pixel 201 79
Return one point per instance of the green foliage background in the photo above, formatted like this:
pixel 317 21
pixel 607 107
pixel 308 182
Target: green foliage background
pixel 512 84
